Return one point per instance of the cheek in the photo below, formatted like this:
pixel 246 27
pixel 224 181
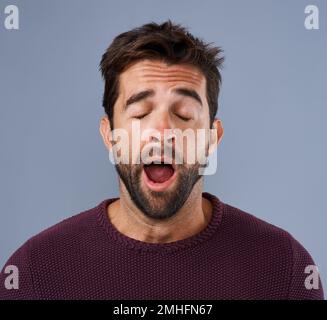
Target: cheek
pixel 122 143
pixel 204 117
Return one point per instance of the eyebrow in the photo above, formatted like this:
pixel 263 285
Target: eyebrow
pixel 149 93
pixel 139 96
pixel 188 93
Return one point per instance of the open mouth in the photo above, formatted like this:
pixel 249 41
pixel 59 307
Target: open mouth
pixel 159 172
pixel 159 176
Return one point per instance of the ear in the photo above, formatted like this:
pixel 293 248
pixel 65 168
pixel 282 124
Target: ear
pixel 216 134
pixel 106 132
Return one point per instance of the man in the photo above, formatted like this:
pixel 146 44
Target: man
pixel 163 238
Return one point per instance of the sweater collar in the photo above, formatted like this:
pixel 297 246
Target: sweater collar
pixel 134 244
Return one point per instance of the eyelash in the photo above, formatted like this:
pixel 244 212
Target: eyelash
pixel 182 118
pixel 140 117
pixel 179 116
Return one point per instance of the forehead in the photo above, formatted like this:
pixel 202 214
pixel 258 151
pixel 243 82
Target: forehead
pixel 153 72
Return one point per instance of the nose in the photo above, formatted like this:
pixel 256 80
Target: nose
pixel 161 121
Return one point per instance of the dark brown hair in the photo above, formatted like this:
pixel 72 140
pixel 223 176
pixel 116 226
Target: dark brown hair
pixel 168 42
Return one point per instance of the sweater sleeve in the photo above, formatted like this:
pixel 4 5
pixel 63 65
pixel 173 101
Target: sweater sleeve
pixel 16 282
pixel 305 282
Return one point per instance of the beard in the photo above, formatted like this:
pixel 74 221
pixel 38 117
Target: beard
pixel 159 205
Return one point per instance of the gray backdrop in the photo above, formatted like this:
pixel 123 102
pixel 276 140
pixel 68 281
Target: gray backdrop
pixel 272 161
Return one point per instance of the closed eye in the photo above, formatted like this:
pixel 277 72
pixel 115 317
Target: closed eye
pixel 140 116
pixel 182 117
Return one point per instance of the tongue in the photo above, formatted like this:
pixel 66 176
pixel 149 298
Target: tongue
pixel 159 173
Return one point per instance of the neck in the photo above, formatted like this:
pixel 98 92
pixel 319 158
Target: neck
pixel 188 221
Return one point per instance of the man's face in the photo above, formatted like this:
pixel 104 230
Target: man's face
pixel 160 97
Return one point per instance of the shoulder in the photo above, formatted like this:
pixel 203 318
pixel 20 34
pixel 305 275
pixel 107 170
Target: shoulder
pixel 77 225
pixel 57 245
pixel 69 230
pixel 253 230
pixel 249 225
pixel 276 249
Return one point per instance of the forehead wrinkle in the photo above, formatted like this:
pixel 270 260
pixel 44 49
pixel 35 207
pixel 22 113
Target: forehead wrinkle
pixel 162 68
pixel 148 72
pixel 174 80
pixel 172 70
pixel 171 74
pixel 187 77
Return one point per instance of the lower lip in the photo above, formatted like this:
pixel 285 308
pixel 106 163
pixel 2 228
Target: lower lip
pixel 155 186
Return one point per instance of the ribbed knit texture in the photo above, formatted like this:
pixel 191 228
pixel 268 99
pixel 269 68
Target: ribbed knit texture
pixel 237 256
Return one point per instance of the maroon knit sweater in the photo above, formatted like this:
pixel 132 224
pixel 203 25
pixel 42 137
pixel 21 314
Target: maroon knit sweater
pixel 237 256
